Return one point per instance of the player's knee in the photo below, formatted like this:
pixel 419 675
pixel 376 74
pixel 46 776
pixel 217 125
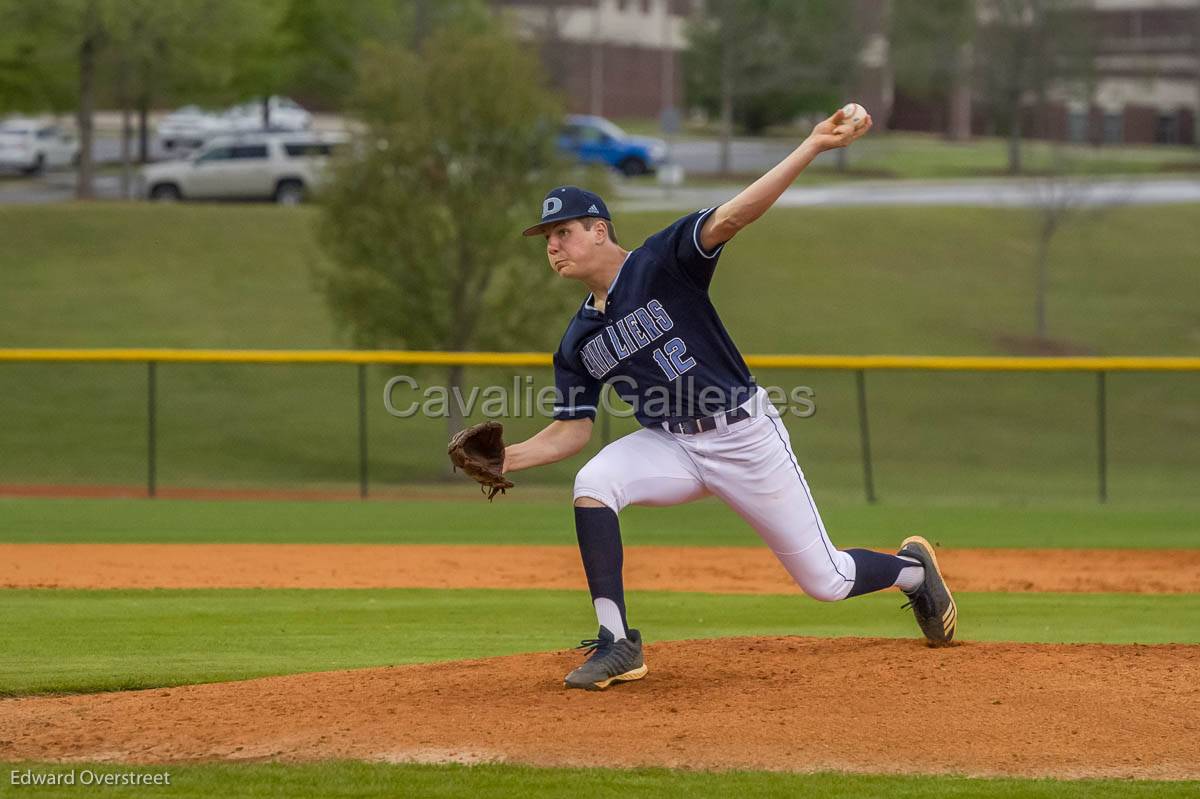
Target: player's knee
pixel 828 590
pixel 598 483
pixel 817 577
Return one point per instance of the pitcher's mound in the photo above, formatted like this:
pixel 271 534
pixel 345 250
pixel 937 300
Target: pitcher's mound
pixel 796 704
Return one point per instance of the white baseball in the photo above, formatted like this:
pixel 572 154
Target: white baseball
pixel 854 114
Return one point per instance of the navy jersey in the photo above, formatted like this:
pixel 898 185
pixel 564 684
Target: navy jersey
pixel 659 342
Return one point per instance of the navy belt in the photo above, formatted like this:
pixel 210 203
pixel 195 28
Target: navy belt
pixel 693 426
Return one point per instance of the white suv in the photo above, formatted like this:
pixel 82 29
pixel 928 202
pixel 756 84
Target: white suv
pixel 283 167
pixel 33 146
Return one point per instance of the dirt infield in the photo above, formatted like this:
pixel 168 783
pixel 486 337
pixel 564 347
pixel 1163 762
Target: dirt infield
pixel 792 704
pixel 797 704
pixel 713 569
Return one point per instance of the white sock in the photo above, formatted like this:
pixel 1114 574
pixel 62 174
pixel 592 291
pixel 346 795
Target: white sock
pixel 609 616
pixel 911 577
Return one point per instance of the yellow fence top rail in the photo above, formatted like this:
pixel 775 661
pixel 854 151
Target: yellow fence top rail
pixel 534 359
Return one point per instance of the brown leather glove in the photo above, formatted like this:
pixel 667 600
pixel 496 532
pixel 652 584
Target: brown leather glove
pixel 479 451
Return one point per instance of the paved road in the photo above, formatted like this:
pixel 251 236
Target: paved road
pixel 702 157
pixel 1009 193
pixel 749 155
pixel 52 187
pixel 59 186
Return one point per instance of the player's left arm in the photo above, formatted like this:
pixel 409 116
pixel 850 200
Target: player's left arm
pixel 753 201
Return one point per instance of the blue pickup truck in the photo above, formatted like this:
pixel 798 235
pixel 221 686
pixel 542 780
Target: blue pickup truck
pixel 595 140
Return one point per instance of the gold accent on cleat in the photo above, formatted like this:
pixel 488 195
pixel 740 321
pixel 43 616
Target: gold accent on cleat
pixel 950 621
pixel 635 674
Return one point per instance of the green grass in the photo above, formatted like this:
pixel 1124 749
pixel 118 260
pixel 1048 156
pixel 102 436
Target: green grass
pixel 548 520
pixel 349 779
pixel 915 156
pixel 70 640
pixel 922 280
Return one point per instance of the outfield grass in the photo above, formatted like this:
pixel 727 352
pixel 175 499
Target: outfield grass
pixel 915 156
pixel 350 779
pixel 72 640
pixel 922 280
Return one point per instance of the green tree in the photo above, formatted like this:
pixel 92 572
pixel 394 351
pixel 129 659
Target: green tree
pixel 62 54
pixel 37 56
pixel 932 55
pixel 62 40
pixel 310 48
pixel 157 51
pixel 755 63
pixel 164 51
pixel 1025 50
pixel 423 216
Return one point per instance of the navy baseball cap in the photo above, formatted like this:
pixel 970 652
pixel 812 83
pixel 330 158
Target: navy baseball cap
pixel 569 202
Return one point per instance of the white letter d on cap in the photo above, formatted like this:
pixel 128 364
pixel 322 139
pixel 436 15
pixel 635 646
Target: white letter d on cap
pixel 552 206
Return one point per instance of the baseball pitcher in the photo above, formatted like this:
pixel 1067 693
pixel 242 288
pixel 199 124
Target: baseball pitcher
pixel 649 329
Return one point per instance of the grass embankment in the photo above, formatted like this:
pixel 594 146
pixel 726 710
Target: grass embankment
pixel 919 156
pixel 921 280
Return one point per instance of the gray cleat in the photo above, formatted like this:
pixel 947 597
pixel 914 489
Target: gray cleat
pixel 931 603
pixel 611 661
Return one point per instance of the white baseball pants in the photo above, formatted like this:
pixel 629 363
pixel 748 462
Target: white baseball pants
pixel 750 467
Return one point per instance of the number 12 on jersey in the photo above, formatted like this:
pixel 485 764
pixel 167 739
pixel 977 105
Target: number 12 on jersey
pixel 671 359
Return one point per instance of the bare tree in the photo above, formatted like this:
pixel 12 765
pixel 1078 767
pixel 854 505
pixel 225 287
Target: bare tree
pixel 1063 195
pixel 933 55
pixel 761 62
pixel 1058 195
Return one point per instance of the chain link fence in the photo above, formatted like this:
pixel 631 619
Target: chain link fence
pixel 167 422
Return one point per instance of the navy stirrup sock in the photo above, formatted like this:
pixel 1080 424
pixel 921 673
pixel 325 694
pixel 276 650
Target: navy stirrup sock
pixel 599 535
pixel 874 571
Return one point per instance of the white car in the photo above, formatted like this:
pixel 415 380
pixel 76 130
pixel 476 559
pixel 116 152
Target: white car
pixel 32 146
pixel 190 127
pixel 285 114
pixel 284 167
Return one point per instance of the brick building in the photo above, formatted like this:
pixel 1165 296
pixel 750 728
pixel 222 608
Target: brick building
pixel 616 58
pixel 623 58
pixel 1145 84
pixel 1148 64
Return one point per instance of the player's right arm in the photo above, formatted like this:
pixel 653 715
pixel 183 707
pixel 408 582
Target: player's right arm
pixel 753 201
pixel 557 441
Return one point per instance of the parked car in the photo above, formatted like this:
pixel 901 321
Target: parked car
pixel 285 114
pixel 32 146
pixel 595 140
pixel 284 167
pixel 190 127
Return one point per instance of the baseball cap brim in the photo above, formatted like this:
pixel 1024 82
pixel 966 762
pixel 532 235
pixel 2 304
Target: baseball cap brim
pixel 540 227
